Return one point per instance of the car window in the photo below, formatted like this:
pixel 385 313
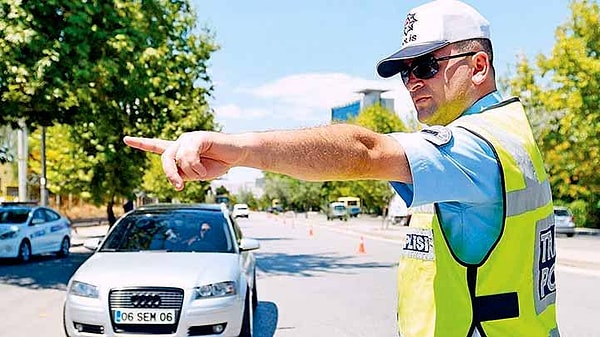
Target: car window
pixel 172 231
pixel 39 216
pixel 13 216
pixel 51 215
pixel 561 212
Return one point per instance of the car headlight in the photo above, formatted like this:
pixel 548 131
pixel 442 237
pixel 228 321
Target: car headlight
pixel 220 289
pixel 83 289
pixel 12 232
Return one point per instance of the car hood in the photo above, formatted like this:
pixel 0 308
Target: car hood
pixel 4 228
pixel 185 270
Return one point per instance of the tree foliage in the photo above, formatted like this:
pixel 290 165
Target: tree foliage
pixel 562 92
pixel 106 69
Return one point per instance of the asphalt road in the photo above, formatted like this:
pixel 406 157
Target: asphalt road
pixel 308 285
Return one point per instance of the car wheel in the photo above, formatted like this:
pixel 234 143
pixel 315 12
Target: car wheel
pixel 24 252
pixel 570 235
pixel 65 247
pixel 248 319
pixel 254 295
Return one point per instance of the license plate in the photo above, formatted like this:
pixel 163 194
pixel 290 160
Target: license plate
pixel 144 316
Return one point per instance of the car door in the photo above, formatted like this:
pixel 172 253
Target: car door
pixel 38 232
pixel 57 229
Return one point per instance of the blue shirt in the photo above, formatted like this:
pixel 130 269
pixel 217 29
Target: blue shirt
pixel 463 177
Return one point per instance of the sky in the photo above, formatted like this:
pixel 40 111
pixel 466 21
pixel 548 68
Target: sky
pixel 285 64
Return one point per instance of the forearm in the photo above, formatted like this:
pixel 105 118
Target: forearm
pixel 334 152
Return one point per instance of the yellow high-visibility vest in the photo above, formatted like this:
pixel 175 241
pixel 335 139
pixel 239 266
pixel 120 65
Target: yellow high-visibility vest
pixel 512 291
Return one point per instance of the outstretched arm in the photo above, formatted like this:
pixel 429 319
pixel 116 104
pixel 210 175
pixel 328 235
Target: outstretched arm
pixel 334 152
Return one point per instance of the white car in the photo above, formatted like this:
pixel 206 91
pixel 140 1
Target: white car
pixel 241 211
pixel 27 229
pixel 563 221
pixel 169 270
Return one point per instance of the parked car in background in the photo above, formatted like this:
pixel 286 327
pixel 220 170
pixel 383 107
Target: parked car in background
pixel 241 211
pixel 28 229
pixel 337 210
pixel 563 221
pixel 397 212
pixel 166 269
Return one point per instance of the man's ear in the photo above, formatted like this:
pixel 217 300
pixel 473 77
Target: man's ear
pixel 481 67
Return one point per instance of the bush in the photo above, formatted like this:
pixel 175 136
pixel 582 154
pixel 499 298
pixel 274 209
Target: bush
pixel 580 211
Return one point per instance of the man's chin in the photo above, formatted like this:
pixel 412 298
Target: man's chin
pixel 425 117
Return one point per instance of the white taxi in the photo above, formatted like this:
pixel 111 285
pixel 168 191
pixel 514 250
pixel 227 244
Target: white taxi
pixel 27 229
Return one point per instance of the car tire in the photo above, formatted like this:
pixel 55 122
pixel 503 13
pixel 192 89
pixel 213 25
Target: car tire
pixel 65 247
pixel 24 252
pixel 570 235
pixel 248 319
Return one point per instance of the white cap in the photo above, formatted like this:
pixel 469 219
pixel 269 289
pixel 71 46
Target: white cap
pixel 432 26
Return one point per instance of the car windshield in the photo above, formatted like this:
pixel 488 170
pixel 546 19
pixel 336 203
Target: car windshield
pixel 13 215
pixel 561 212
pixel 171 231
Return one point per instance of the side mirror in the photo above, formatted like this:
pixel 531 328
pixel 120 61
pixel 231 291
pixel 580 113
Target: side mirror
pixel 247 244
pixel 92 244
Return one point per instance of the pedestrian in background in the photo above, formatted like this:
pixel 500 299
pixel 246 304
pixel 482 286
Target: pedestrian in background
pixel 483 263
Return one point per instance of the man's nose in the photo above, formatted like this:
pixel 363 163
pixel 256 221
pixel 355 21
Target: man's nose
pixel 413 82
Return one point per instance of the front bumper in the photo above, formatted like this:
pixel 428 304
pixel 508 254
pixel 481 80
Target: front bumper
pixel 195 318
pixel 565 230
pixel 9 248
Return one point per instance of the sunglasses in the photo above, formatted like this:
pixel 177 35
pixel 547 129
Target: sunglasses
pixel 426 67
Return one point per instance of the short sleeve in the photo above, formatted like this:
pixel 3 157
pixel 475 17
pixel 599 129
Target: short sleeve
pixel 449 164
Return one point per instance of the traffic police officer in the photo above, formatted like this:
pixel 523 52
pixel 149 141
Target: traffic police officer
pixel 483 264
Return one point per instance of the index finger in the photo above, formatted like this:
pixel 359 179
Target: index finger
pixel 154 145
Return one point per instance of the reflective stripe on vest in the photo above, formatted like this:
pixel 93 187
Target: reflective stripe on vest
pixel 536 194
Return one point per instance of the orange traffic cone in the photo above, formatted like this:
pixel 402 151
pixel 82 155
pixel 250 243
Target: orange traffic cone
pixel 361 246
pixel 310 231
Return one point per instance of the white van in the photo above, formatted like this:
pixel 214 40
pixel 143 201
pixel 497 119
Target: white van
pixel 398 213
pixel 240 211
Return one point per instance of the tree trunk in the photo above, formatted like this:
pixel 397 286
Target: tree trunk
pixel 110 213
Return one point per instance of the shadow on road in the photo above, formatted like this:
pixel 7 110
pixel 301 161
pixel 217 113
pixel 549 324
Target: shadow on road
pixel 311 264
pixel 265 319
pixel 41 272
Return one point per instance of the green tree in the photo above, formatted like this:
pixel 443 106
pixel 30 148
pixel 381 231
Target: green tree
pixel 278 186
pixel 246 196
pixel 565 88
pixel 69 169
pixel 107 69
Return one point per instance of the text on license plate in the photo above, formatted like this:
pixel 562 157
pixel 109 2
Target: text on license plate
pixel 144 316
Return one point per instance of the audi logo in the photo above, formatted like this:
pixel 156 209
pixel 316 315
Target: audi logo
pixel 145 301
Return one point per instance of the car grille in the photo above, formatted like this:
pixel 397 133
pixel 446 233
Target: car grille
pixel 146 298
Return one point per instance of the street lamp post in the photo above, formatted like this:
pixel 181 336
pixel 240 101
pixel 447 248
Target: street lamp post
pixel 43 189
